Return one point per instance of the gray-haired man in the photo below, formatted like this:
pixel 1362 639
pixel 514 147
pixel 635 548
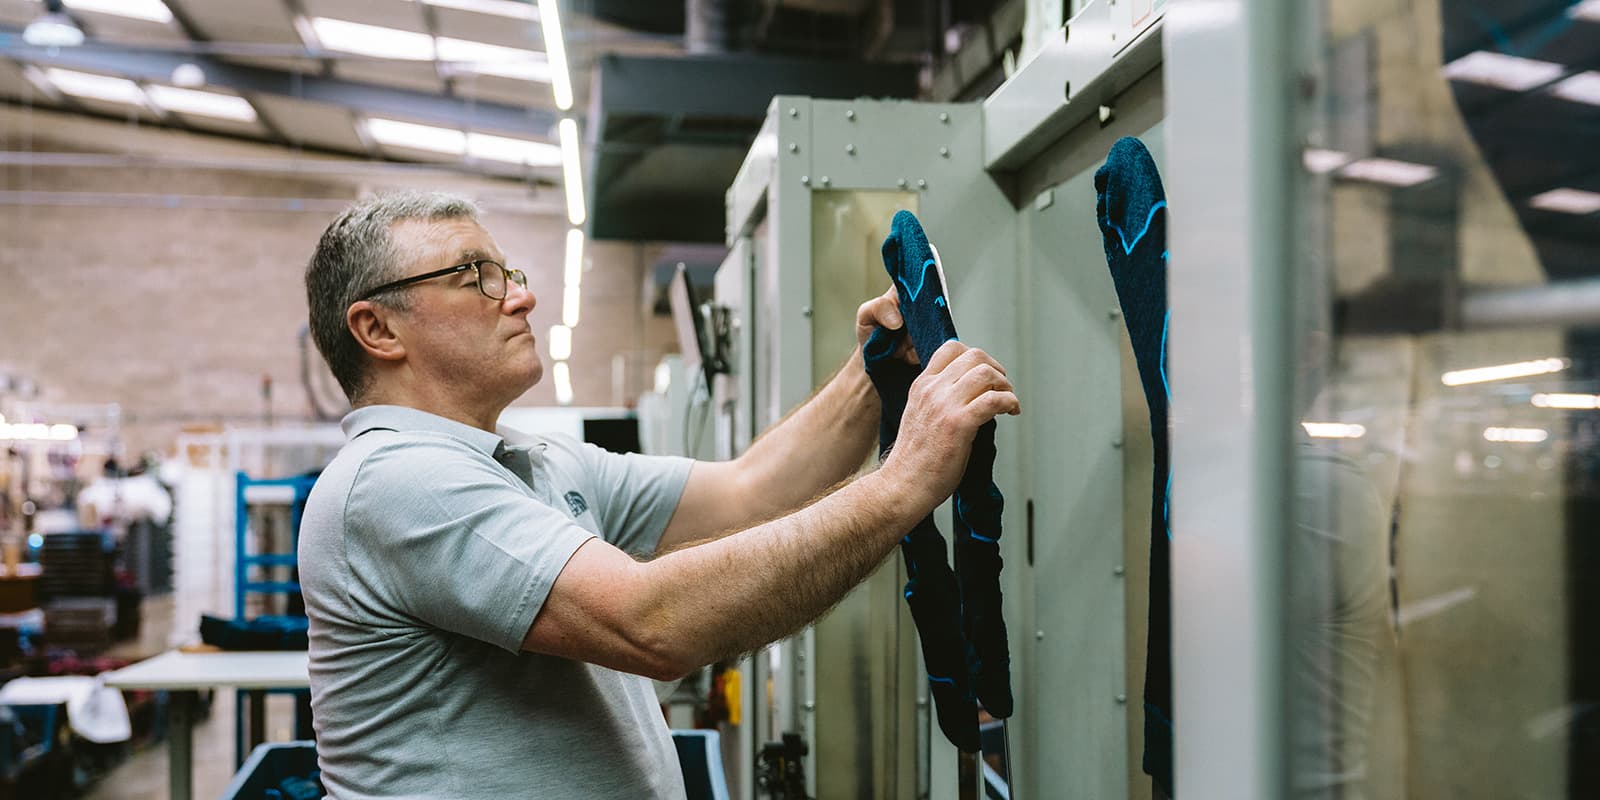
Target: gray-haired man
pixel 476 631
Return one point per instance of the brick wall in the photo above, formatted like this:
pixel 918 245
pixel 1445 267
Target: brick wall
pixel 158 299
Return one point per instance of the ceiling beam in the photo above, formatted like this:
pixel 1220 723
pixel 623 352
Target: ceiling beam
pixel 156 66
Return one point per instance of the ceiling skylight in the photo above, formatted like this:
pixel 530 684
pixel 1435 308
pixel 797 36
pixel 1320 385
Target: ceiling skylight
pixel 150 10
pixel 206 104
pixel 96 87
pixel 372 40
pixel 1503 71
pixel 499 8
pixel 1583 87
pixel 489 59
pixel 514 151
pixel 1389 171
pixel 1567 201
pixel 395 133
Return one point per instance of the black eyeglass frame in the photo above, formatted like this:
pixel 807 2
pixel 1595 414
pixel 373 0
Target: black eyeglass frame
pixel 516 276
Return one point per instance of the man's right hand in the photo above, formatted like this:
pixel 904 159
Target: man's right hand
pixel 961 389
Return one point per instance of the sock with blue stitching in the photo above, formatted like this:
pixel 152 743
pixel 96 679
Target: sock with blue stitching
pixel 931 591
pixel 1131 209
pixel 910 262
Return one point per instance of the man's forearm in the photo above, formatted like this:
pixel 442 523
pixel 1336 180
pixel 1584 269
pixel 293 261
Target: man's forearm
pixel 741 592
pixel 819 444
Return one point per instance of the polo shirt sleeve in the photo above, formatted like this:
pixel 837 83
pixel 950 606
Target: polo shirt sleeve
pixel 440 534
pixel 636 495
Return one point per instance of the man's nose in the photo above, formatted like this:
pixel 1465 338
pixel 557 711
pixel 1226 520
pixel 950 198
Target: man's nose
pixel 519 299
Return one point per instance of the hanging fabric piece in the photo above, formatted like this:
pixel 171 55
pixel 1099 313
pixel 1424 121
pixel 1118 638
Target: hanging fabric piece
pixel 1131 209
pixel 958 614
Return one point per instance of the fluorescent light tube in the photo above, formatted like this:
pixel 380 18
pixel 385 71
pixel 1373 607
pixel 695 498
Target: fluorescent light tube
pixel 372 40
pixel 514 151
pixel 571 174
pixel 1522 435
pixel 556 50
pixel 150 10
pixel 1583 87
pixel 1502 71
pixel 1389 172
pixel 1567 201
pixel 563 377
pixel 560 342
pixel 1500 372
pixel 490 59
pixel 1583 402
pixel 574 267
pixel 97 87
pixel 206 104
pixel 395 133
pixel 1334 430
pixel 569 305
pixel 499 8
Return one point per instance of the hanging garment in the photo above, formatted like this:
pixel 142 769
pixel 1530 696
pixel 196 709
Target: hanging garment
pixel 958 613
pixel 1132 212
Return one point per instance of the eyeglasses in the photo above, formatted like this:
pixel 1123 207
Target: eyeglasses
pixel 491 277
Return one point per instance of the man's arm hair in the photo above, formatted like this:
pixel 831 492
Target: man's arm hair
pixel 820 443
pixel 715 600
pixel 732 595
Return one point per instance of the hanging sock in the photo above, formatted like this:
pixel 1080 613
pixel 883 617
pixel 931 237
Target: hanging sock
pixel 913 265
pixel 931 591
pixel 1132 212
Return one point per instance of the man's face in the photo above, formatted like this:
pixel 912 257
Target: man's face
pixel 455 337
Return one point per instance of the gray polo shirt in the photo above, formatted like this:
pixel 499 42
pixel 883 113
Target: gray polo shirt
pixel 426 550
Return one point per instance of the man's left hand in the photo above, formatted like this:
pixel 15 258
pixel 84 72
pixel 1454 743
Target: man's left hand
pixel 883 311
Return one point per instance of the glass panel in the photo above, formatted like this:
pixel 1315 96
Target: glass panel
pixel 1446 471
pixel 866 654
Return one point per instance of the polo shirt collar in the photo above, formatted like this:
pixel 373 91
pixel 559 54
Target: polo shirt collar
pixel 401 418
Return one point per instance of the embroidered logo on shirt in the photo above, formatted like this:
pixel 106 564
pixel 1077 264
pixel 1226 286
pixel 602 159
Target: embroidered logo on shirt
pixel 576 502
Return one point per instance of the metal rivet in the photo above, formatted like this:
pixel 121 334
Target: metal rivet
pixel 1039 635
pixel 1114 313
pixel 922 702
pixel 794 112
pixel 1116 443
pixel 1122 698
pixel 944 151
pixel 805 311
pixel 794 148
pixel 901 183
pixel 810 706
pixel 922 184
pixel 945 118
pixel 850 113
pixel 1117 570
pixel 805 180
pixel 800 655
pixel 1106 114
pixel 825 180
pixel 850 148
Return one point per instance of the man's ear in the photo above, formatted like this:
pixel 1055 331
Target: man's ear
pixel 370 324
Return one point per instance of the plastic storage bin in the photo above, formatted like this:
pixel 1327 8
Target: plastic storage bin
pixel 278 771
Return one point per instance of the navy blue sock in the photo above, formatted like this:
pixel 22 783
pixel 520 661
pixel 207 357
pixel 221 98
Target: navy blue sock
pixel 931 591
pixel 1132 211
pixel 910 261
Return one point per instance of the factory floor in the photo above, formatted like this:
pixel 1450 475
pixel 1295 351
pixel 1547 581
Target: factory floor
pixel 143 775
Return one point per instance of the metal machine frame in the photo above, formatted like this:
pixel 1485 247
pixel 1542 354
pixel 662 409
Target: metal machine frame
pixel 1004 188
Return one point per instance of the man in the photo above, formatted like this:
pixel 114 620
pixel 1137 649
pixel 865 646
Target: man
pixel 483 603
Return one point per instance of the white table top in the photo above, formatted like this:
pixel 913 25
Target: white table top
pixel 240 670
